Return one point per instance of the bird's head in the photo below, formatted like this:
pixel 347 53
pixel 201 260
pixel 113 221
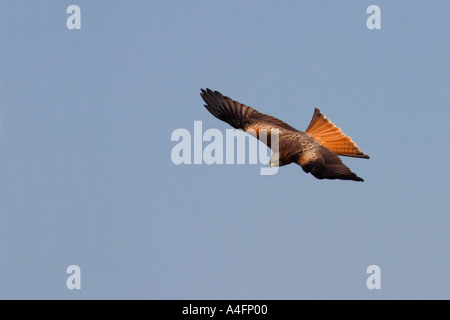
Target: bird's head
pixel 275 160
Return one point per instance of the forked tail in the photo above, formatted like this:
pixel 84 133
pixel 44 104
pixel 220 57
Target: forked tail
pixel 331 137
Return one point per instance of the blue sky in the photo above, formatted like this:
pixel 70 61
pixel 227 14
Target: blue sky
pixel 86 176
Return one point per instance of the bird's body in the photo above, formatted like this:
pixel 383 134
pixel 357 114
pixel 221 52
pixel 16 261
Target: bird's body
pixel 315 150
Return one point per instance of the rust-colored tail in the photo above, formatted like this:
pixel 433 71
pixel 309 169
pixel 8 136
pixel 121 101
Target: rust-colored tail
pixel 331 137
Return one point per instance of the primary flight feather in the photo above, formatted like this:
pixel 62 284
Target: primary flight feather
pixel 316 150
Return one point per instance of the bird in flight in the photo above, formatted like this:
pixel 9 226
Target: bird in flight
pixel 316 150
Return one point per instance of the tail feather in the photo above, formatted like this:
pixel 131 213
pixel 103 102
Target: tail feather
pixel 331 137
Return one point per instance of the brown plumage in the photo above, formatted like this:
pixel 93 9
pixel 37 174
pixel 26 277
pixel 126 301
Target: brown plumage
pixel 315 150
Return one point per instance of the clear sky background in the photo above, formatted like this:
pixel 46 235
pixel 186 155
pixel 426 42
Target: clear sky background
pixel 86 176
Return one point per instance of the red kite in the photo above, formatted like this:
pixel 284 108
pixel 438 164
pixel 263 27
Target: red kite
pixel 316 150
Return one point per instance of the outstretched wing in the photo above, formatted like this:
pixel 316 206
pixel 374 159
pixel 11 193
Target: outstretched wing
pixel 239 115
